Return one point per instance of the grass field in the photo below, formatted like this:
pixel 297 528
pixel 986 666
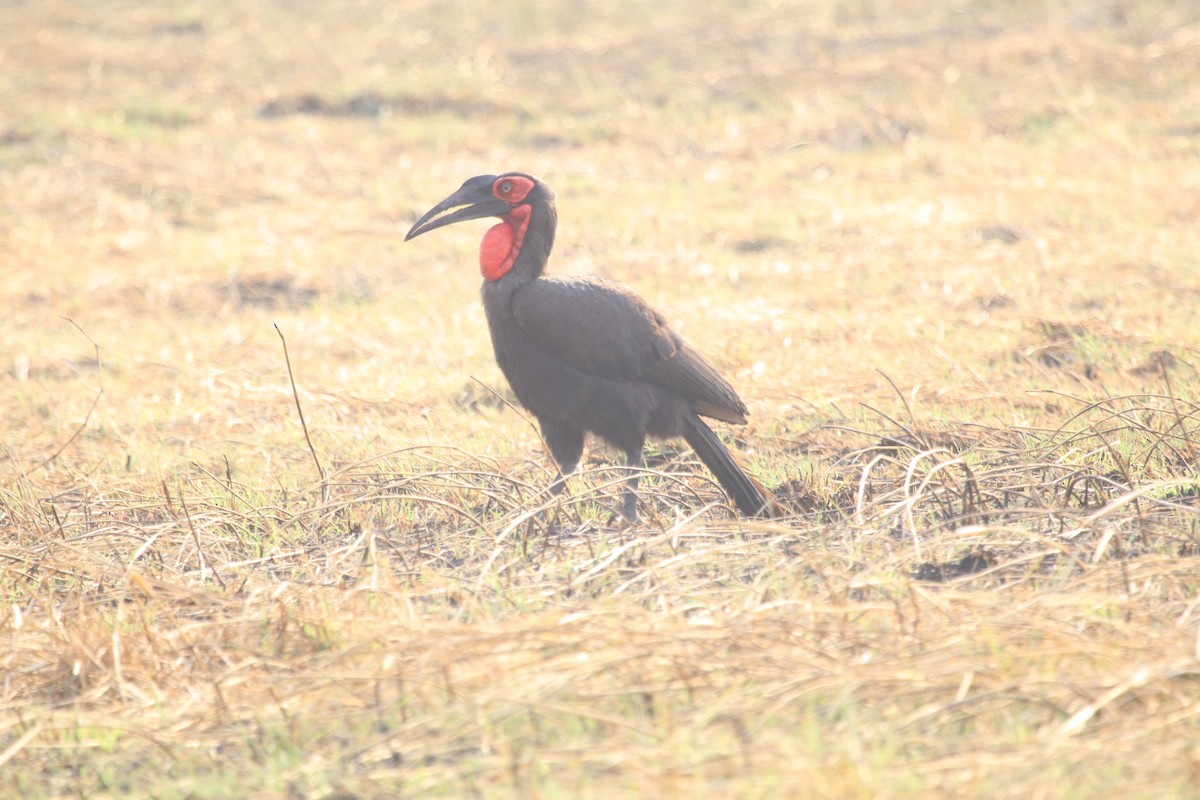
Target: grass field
pixel 948 253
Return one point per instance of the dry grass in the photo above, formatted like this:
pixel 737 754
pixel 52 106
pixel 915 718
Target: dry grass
pixel 947 254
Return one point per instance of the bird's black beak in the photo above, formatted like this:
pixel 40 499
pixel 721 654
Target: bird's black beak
pixel 477 192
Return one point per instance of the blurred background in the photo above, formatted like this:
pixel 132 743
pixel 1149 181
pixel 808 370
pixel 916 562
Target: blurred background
pixel 961 193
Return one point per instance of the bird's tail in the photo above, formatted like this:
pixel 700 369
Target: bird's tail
pixel 748 494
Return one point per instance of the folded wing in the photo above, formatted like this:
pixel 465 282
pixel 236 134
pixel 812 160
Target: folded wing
pixel 602 328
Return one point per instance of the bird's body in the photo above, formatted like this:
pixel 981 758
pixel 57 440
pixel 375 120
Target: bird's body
pixel 585 354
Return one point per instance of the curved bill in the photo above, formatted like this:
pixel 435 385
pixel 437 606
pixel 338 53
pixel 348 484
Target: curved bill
pixel 477 192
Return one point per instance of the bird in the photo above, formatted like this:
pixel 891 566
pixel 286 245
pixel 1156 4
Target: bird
pixel 585 354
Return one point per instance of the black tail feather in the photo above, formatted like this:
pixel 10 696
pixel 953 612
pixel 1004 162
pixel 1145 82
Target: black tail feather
pixel 747 494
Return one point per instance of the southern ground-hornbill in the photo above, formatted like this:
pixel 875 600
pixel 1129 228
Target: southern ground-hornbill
pixel 587 354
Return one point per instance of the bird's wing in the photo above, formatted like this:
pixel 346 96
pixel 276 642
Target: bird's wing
pixel 602 328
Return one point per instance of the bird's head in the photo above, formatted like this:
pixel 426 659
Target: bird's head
pixel 515 198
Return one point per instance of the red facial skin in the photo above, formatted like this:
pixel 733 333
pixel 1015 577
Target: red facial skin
pixel 502 243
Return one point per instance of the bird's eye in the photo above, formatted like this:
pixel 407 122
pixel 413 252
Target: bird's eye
pixel 506 187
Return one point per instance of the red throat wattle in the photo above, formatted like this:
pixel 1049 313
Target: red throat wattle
pixel 502 244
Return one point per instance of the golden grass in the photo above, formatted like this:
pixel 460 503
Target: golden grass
pixel 948 255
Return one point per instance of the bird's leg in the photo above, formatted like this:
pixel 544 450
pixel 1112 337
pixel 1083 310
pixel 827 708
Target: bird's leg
pixel 629 499
pixel 549 516
pixel 566 446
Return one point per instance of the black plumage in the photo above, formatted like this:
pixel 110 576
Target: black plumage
pixel 585 354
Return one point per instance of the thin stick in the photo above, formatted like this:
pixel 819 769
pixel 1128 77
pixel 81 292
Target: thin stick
pixel 515 409
pixel 20 743
pixel 912 418
pixel 300 411
pixel 196 538
pixel 88 416
pixel 1166 373
pixel 537 430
